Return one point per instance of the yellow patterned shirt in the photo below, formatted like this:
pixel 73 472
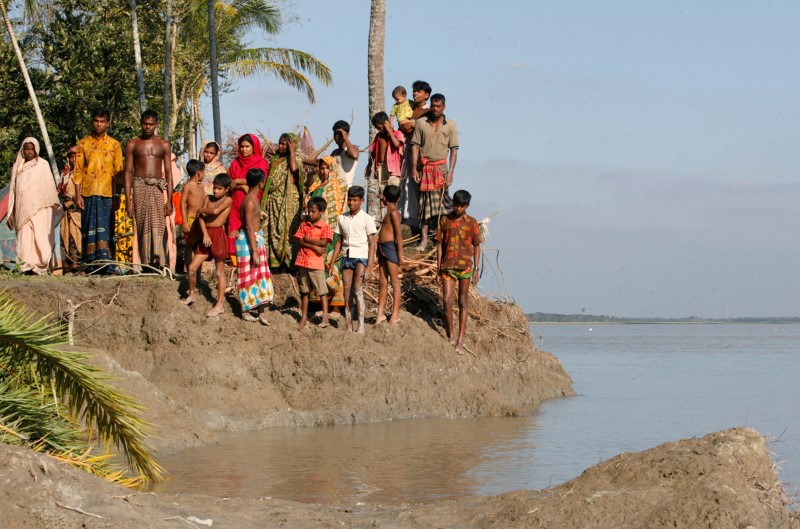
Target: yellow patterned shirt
pixel 96 163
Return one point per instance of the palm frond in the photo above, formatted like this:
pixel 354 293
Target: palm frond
pixel 89 396
pixel 258 14
pixel 288 65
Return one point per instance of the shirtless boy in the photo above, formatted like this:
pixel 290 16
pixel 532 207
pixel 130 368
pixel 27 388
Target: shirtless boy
pixel 192 198
pixel 148 173
pixel 211 223
pixel 390 254
pixel 254 278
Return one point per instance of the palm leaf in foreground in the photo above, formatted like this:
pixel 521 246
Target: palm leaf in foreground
pixel 84 388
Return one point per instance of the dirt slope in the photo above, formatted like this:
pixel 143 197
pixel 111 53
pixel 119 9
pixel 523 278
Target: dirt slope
pixel 198 375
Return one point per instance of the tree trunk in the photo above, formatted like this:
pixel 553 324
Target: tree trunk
pixel 192 130
pixel 377 35
pixel 212 41
pixel 173 122
pixel 137 56
pixel 167 71
pixel 31 92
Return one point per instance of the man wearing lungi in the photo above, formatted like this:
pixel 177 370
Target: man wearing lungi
pixel 148 173
pixel 434 136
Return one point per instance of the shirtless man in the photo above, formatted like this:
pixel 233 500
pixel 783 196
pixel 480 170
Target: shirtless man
pixel 148 173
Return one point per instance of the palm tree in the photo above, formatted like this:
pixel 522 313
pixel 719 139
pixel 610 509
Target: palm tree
pixel 51 398
pixel 228 22
pixel 34 99
pixel 377 96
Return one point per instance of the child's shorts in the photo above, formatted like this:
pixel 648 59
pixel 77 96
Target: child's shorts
pixel 307 278
pixel 219 244
pixel 453 274
pixel 349 263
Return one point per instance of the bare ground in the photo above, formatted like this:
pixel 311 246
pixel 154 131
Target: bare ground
pixel 197 375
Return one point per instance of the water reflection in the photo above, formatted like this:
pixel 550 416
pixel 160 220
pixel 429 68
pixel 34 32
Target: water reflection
pixel 387 462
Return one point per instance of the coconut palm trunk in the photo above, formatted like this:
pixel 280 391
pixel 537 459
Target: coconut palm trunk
pixel 212 40
pixel 137 56
pixel 377 36
pixel 167 70
pixel 31 92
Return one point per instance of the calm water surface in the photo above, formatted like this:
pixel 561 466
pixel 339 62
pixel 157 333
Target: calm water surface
pixel 638 386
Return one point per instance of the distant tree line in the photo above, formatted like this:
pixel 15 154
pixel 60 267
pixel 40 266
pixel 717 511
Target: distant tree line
pixel 546 317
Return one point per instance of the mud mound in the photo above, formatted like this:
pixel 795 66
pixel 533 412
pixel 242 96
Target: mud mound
pixel 197 374
pixel 724 480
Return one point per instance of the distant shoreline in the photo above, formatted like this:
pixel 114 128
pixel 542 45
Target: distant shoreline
pixel 544 317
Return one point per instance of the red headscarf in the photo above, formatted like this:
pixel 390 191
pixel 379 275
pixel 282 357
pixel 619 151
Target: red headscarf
pixel 241 164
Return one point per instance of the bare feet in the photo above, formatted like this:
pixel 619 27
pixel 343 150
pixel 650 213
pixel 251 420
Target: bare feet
pixel 302 324
pixel 325 324
pixel 381 319
pixel 246 316
pixel 263 319
pixel 460 344
pixel 361 328
pixel 394 320
pixel 188 300
pixel 216 311
pixel 422 246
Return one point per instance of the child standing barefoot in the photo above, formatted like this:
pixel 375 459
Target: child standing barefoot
pixel 214 243
pixel 458 257
pixel 254 279
pixel 357 247
pixel 313 237
pixel 390 254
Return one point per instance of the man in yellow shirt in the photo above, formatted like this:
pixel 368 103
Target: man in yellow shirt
pixel 98 161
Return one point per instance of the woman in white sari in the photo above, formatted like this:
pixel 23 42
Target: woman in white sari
pixel 34 210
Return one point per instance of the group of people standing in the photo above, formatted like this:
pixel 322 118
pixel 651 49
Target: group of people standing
pixel 262 215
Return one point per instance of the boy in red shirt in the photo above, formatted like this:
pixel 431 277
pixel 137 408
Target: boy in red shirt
pixel 313 237
pixel 458 256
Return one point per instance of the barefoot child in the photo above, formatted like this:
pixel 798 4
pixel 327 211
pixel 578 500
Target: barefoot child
pixel 313 237
pixel 458 256
pixel 192 197
pixel 254 279
pixel 390 254
pixel 357 247
pixel 214 244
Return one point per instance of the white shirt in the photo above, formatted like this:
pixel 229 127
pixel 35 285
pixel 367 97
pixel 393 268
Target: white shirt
pixel 346 167
pixel 355 231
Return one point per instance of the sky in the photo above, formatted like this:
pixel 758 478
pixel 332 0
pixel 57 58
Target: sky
pixel 642 157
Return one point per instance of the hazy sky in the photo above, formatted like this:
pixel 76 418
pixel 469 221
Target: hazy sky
pixel 643 156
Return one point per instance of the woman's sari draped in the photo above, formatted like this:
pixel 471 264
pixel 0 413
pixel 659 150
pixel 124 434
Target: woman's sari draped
pixel 334 191
pixel 281 203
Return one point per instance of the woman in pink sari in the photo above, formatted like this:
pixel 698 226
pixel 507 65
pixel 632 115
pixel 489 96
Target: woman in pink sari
pixel 34 210
pixel 248 157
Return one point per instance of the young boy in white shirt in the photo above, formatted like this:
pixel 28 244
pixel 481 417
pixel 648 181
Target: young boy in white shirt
pixel 356 245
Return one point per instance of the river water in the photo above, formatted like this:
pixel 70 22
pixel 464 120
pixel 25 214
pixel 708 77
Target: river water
pixel 638 386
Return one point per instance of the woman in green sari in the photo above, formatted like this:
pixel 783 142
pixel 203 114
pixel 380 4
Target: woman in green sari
pixel 282 200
